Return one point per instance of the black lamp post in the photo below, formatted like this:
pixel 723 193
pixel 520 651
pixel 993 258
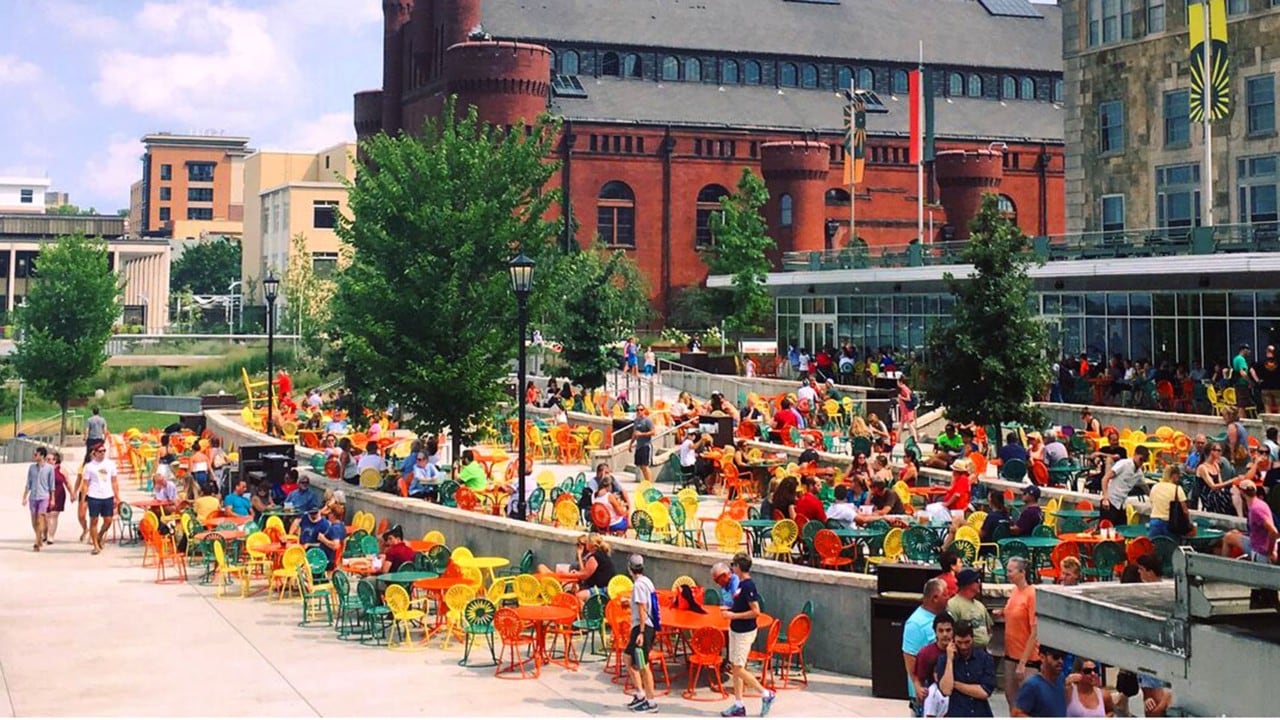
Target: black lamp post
pixel 270 290
pixel 521 269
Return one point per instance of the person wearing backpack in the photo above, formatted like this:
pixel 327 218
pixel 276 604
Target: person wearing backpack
pixel 645 621
pixel 1169 514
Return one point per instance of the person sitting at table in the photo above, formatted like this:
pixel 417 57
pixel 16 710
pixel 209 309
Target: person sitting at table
pixel 910 472
pixel 858 469
pixel 785 419
pixel 1054 451
pixel 261 500
pixel 331 449
pixel 348 463
pixel 615 507
pixel 946 448
pixel 371 459
pixel 727 581
pixel 808 462
pixel 842 511
pixel 309 526
pixel 808 504
pixel 957 495
pixel 1031 514
pixel 740 456
pixel 394 552
pixel 424 479
pixel 303 499
pixel 880 437
pixel 858 428
pixel 1087 420
pixel 858 491
pixel 883 502
pixel 719 405
pixel 163 489
pixel 410 459
pixel 1035 447
pixel 1259 465
pixel 996 513
pixel 604 479
pixel 880 470
pixel 949 562
pixel 331 539
pixel 511 486
pixel 783 500
pixel 335 504
pixel 286 486
pixel 594 568
pixel 1012 449
pixel 237 501
pixel 1105 456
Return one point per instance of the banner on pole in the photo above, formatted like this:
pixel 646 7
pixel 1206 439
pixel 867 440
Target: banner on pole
pixel 1218 88
pixel 920 89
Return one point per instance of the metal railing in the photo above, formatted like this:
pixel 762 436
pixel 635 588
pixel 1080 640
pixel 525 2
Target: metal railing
pixel 125 343
pixel 1147 242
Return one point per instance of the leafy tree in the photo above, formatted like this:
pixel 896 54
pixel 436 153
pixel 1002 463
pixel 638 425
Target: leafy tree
pixel 987 363
pixel 207 268
pixel 67 321
pixel 741 250
pixel 309 296
pixel 602 298
pixel 69 209
pixel 694 307
pixel 424 313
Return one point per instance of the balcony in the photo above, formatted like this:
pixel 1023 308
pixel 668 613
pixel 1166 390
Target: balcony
pixel 1148 243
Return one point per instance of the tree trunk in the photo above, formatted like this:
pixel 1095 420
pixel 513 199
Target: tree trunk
pixel 455 443
pixel 62 426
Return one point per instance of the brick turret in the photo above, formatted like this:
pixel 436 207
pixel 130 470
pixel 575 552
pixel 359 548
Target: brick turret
pixel 395 15
pixel 368 113
pixel 797 169
pixel 507 81
pixel 964 176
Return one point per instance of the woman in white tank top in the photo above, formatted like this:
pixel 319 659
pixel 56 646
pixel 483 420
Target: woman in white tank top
pixel 1085 696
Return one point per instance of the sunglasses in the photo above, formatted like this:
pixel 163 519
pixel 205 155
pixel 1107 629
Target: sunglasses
pixel 1088 671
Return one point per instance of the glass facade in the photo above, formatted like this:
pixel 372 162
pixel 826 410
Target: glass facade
pixel 1175 326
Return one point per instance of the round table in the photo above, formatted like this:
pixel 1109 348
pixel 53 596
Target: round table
pixel 1037 547
pixel 540 616
pixel 436 588
pixel 1202 536
pixel 1130 532
pixel 858 533
pixel 757 528
pixel 420 545
pixel 681 619
pixel 151 503
pixel 224 534
pixel 1077 514
pixel 357 566
pixel 483 563
pixel 1083 538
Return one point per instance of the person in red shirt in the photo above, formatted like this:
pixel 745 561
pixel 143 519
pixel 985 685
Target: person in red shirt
pixel 394 551
pixel 808 504
pixel 957 496
pixel 785 419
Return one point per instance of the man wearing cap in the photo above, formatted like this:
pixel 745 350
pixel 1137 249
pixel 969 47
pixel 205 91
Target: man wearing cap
pixel 965 606
pixel 643 605
pixel 642 442
pixel 1031 515
pixel 309 527
pixel 1123 477
pixel 1042 694
pixel 302 499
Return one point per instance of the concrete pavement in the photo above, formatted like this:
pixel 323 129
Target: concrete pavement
pixel 94 635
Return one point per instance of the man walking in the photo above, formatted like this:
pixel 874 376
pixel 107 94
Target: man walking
pixel 642 442
pixel 95 430
pixel 102 494
pixel 643 627
pixel 743 625
pixel 38 493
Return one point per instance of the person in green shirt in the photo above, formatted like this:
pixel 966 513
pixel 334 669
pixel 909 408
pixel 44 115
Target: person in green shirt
pixel 965 605
pixel 472 474
pixel 946 448
pixel 1241 377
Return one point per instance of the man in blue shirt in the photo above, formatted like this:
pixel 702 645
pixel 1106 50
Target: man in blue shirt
pixel 1042 694
pixel 728 582
pixel 237 503
pixel 303 499
pixel 310 527
pixel 331 539
pixel 918 632
pixel 966 675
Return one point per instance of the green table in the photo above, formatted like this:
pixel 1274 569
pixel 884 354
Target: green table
pixel 858 533
pixel 1078 520
pixel 1038 547
pixel 759 529
pixel 1203 536
pixel 405 577
pixel 1077 514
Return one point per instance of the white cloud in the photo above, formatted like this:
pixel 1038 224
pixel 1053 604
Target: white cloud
pixel 83 22
pixel 16 71
pixel 111 172
pixel 315 135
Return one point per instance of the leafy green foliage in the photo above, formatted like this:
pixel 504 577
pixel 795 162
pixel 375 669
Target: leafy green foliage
pixel 694 307
pixel 424 315
pixel 207 268
pixel 310 295
pixel 741 250
pixel 987 363
pixel 67 321
pixel 69 209
pixel 602 299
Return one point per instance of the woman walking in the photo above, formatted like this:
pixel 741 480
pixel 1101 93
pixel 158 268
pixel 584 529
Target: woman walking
pixel 61 489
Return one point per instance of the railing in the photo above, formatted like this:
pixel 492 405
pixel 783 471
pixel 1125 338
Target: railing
pixel 1149 242
pixel 122 344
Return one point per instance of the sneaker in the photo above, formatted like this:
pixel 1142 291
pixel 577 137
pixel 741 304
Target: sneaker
pixel 734 711
pixel 766 703
pixel 650 707
pixel 635 702
pixel 644 706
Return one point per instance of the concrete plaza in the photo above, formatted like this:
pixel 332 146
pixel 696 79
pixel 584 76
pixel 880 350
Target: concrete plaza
pixel 94 635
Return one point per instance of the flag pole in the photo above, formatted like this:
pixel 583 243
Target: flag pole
pixel 920 157
pixel 1206 175
pixel 853 191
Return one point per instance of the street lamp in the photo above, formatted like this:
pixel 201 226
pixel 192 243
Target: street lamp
pixel 521 269
pixel 270 289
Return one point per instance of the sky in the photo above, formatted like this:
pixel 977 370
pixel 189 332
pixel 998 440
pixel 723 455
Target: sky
pixel 84 80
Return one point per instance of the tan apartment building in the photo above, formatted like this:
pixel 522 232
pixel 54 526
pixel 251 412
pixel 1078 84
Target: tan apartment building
pixel 287 194
pixel 191 185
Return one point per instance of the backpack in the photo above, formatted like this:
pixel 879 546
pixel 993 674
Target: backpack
pixel 913 401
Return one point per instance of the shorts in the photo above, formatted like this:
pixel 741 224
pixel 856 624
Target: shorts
pixel 639 646
pixel 643 456
pixel 632 362
pixel 38 507
pixel 740 647
pixel 101 507
pixel 1149 682
pixel 619 525
pixel 648 369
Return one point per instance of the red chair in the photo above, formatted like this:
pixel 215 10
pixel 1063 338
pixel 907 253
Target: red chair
pixel 1138 547
pixel 829 549
pixel 564 631
pixel 791 651
pixel 1060 553
pixel 403 484
pixel 600 518
pixel 706 649
pixel 510 629
pixel 1084 506
pixel 765 657
pixel 466 499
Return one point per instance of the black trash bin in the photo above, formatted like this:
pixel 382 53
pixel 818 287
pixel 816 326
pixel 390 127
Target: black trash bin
pixel 899 588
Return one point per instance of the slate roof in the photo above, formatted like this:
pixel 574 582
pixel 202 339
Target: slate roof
pixel 955 32
pixel 745 106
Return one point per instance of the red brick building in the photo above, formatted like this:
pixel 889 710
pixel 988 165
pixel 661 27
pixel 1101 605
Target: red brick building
pixel 664 102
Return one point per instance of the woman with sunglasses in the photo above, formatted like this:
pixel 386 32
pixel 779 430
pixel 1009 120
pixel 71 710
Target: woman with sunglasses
pixel 1215 496
pixel 1085 695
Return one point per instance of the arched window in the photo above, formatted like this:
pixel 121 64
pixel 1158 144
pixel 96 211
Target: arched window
pixel 692 70
pixel 751 72
pixel 808 76
pixel 1028 89
pixel 610 65
pixel 616 214
pixel 975 85
pixel 787 76
pixel 784 210
pixel 729 72
pixel 837 196
pixel 1057 91
pixel 901 84
pixel 670 68
pixel 569 62
pixel 1008 88
pixel 955 84
pixel 1005 205
pixel 844 77
pixel 708 205
pixel 867 79
pixel 632 66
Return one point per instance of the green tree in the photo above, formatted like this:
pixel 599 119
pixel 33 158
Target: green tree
pixel 424 313
pixel 65 325
pixel 693 308
pixel 987 363
pixel 741 250
pixel 309 297
pixel 69 209
pixel 602 297
pixel 207 268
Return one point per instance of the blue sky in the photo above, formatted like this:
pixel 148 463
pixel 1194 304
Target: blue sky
pixel 83 80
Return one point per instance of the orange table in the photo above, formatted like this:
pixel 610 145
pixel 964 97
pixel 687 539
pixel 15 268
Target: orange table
pixel 488 457
pixel 681 619
pixel 224 534
pixel 357 566
pixel 929 491
pixel 540 616
pixel 1085 538
pixel 562 577
pixel 420 545
pixel 436 588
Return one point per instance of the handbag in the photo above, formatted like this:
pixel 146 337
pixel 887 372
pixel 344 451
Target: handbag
pixel 1179 522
